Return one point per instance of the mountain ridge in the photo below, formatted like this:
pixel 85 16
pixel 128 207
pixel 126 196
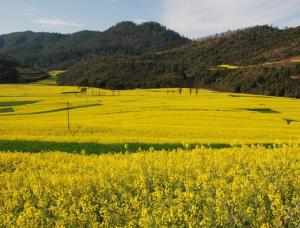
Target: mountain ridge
pixel 42 50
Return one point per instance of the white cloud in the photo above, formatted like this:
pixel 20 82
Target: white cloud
pixel 198 18
pixel 55 23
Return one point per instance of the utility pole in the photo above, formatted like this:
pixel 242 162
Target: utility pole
pixel 68 115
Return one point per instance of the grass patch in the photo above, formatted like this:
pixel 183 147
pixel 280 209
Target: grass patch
pixel 17 103
pixel 6 110
pixel 262 110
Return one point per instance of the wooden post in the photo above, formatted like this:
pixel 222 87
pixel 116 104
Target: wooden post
pixel 68 116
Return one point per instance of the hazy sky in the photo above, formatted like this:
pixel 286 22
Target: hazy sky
pixel 192 18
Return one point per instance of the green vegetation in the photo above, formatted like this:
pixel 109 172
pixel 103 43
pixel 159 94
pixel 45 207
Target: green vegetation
pixel 8 72
pixel 98 148
pixel 5 110
pixel 17 103
pixel 196 65
pixel 12 72
pixel 52 50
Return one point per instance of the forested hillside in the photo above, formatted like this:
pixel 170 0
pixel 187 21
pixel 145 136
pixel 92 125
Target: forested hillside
pixel 12 72
pixel 43 50
pixel 262 59
pixel 262 56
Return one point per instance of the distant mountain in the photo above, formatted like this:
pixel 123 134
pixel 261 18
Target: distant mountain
pixel 42 50
pixel 261 56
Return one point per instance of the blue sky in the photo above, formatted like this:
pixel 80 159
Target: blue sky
pixel 192 18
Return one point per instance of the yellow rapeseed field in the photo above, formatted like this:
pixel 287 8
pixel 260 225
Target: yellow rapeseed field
pixel 146 116
pixel 229 67
pixel 237 187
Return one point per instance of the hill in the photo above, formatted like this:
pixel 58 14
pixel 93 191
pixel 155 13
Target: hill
pixel 257 54
pixel 44 50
